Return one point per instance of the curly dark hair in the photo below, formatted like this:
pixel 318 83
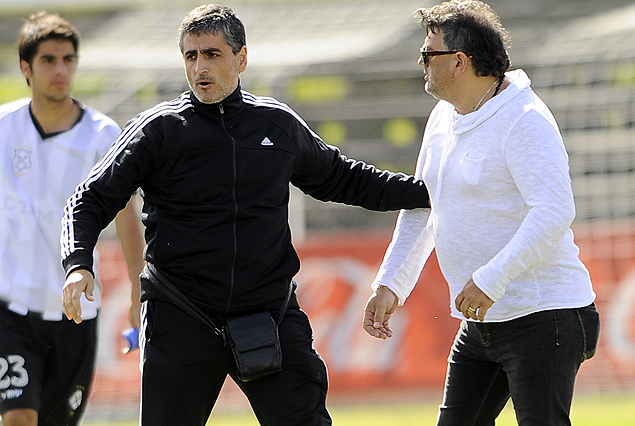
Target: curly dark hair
pixel 472 27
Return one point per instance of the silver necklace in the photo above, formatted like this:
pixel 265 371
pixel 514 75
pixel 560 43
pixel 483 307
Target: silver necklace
pixel 478 105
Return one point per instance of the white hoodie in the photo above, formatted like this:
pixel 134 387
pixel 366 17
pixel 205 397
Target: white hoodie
pixel 502 207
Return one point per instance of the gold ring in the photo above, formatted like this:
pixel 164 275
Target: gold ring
pixel 471 310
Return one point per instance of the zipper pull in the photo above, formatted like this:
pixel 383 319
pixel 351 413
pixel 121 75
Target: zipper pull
pixel 222 110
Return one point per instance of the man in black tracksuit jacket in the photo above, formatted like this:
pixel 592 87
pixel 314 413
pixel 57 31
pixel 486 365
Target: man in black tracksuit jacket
pixel 214 173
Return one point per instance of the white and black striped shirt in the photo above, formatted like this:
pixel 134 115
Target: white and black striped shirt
pixel 38 175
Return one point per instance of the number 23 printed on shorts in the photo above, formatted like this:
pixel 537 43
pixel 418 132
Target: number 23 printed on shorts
pixel 14 375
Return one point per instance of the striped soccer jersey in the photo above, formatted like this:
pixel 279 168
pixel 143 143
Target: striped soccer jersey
pixel 37 177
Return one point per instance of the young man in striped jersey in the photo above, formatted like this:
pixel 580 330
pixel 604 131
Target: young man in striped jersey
pixel 48 144
pixel 214 166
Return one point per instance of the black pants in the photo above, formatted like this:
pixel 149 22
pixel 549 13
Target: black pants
pixel 533 359
pixel 184 366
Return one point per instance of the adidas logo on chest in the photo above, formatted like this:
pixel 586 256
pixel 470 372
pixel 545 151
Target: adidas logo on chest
pixel 266 142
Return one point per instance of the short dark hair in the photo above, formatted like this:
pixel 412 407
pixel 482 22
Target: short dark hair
pixel 474 28
pixel 44 26
pixel 214 19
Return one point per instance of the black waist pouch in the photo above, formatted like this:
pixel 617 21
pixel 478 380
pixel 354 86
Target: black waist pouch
pixel 253 341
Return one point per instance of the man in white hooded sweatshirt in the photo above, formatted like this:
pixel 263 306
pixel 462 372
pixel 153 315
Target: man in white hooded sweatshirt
pixel 494 162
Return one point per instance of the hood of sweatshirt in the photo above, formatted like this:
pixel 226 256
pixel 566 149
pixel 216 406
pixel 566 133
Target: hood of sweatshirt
pixel 520 83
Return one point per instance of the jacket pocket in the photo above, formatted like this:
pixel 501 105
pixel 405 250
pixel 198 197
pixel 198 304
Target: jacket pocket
pixel 472 166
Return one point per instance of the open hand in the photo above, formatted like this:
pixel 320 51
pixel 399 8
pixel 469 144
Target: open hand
pixel 78 282
pixel 379 308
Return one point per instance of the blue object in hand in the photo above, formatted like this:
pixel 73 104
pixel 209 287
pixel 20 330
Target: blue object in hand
pixel 132 337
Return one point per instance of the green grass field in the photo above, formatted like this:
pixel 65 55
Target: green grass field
pixel 586 411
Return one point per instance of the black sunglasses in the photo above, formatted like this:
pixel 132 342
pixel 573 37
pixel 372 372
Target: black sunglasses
pixel 425 54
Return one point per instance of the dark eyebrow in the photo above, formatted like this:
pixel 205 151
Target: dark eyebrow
pixel 69 56
pixel 210 50
pixel 204 51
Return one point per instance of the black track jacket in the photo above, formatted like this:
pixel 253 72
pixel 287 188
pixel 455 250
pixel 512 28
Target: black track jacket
pixel 215 186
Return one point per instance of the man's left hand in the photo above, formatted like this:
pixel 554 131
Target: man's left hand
pixel 472 302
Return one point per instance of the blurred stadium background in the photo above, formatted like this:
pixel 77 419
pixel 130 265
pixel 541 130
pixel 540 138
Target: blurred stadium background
pixel 349 68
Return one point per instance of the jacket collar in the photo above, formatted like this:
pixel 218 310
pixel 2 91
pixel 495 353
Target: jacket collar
pixel 230 105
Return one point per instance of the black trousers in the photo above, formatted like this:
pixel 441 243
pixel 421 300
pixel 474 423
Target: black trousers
pixel 533 359
pixel 184 365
